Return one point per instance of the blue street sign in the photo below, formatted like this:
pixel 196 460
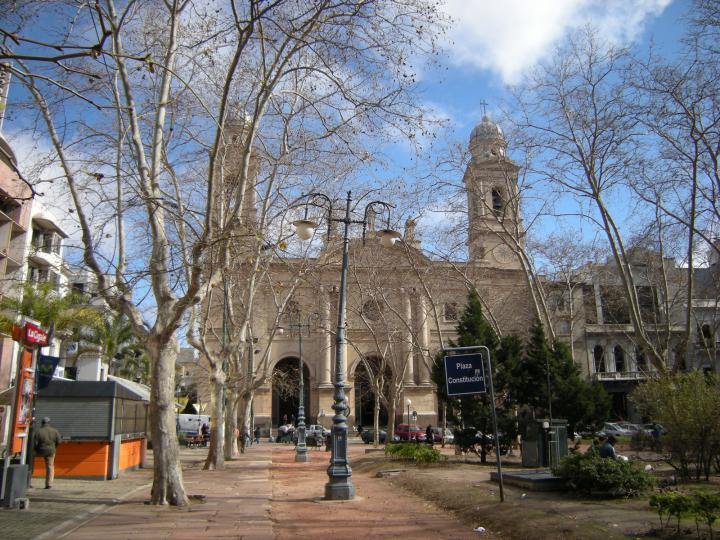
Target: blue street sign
pixel 465 374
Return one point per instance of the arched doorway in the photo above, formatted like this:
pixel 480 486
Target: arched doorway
pixel 364 393
pixel 286 391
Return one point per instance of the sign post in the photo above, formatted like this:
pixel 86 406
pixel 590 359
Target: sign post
pixel 464 376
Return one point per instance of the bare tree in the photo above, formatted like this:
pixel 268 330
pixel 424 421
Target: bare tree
pixel 132 95
pixel 678 101
pixel 574 109
pixel 562 258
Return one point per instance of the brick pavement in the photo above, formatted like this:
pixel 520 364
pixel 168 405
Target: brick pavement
pixel 379 510
pixel 262 495
pixel 53 510
pixel 231 503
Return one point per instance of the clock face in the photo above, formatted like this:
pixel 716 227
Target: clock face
pixel 503 254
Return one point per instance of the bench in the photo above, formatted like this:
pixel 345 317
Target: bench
pixel 194 441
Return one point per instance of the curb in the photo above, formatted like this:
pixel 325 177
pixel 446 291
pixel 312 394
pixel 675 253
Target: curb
pixel 66 527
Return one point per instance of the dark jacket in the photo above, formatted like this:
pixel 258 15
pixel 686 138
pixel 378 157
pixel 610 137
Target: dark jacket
pixel 45 441
pixel 607 450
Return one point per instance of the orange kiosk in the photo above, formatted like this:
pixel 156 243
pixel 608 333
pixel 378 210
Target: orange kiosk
pixel 103 425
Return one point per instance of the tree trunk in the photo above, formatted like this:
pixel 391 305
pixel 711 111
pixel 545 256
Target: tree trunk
pixel 376 423
pixel 246 408
pixel 167 485
pixel 231 425
pixel 391 420
pixel 216 455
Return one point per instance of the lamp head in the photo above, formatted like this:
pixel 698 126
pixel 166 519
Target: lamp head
pixel 388 237
pixel 408 402
pixel 304 228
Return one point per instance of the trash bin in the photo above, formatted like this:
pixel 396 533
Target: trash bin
pixel 15 485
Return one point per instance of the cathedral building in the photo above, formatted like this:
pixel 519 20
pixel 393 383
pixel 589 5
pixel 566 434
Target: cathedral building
pixel 401 306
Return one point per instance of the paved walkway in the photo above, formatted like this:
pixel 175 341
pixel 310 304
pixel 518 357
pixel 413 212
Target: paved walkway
pixel 262 495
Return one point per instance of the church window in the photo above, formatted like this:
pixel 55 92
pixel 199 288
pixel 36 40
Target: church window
pixel 641 360
pixel 451 311
pixel 706 335
pixel 292 311
pixel 619 359
pixel 497 201
pixel 598 356
pixel 372 310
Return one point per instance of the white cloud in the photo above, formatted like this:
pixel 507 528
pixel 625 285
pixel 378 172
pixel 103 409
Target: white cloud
pixel 509 36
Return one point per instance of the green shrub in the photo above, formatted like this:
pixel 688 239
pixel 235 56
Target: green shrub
pixel 707 509
pixel 419 453
pixel 686 404
pixel 704 507
pixel 672 504
pixel 589 473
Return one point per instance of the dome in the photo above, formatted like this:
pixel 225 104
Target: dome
pixel 487 129
pixel 487 140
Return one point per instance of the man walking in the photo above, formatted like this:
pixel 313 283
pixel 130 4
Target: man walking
pixel 45 443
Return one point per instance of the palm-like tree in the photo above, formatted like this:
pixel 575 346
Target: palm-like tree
pixel 64 313
pixel 114 337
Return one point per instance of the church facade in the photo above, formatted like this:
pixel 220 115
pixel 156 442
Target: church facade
pixel 402 307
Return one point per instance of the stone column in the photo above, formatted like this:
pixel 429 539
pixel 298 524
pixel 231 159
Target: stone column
pixel 326 341
pixel 409 360
pixel 424 338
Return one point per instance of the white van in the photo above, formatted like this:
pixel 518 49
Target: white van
pixel 191 423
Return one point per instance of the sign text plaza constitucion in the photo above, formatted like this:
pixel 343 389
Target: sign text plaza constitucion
pixel 465 374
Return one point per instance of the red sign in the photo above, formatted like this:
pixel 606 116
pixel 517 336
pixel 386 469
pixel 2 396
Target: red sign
pixel 30 334
pixel 34 335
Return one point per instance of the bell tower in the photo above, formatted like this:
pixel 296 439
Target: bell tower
pixel 493 200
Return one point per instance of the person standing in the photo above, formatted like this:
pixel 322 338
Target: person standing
pixel 257 434
pixel 45 443
pixel 429 435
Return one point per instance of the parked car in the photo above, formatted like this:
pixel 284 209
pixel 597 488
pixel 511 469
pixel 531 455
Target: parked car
pixel 632 428
pixel 368 436
pixel 649 428
pixel 585 432
pixel 610 428
pixel 438 435
pixel 406 432
pixel 316 430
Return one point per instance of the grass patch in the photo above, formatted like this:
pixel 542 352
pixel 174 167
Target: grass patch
pixel 464 489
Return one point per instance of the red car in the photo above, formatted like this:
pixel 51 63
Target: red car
pixel 405 432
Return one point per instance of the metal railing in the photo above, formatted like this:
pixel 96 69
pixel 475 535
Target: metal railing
pixel 620 376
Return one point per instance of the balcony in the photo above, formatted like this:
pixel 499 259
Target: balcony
pixel 621 376
pixel 44 256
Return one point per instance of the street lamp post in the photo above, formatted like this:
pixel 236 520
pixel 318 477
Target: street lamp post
pixel 408 403
pixel 301 453
pixel 340 486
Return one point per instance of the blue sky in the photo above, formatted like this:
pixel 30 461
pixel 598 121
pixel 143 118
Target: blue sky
pixel 492 44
